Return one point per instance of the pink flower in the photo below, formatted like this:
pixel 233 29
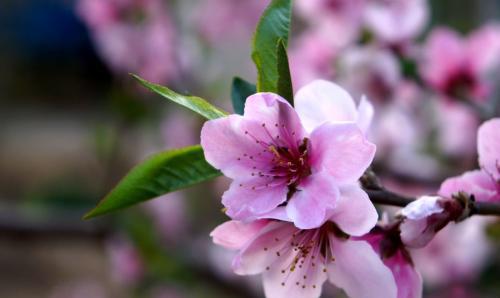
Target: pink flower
pixel 294 165
pixel 425 217
pixel 484 184
pixel 397 21
pixel 456 118
pixel 370 70
pixel 133 36
pixel 311 58
pixel 339 20
pixel 386 242
pixel 295 263
pixel 228 20
pixel 488 147
pixel 460 67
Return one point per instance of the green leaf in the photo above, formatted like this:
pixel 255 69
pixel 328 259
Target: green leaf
pixel 160 174
pixel 240 90
pixel 194 103
pixel 285 87
pixel 273 29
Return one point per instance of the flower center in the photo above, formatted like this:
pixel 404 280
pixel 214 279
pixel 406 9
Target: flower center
pixel 306 254
pixel 292 165
pixel 461 84
pixel 284 158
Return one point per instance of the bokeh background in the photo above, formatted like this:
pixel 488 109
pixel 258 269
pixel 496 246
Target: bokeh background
pixel 73 122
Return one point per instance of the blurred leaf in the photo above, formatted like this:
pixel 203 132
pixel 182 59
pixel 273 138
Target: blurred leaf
pixel 196 104
pixel 160 174
pixel 273 29
pixel 240 90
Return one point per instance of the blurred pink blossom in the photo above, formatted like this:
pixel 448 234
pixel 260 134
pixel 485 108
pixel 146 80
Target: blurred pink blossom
pixel 169 215
pixel 456 119
pixel 396 21
pixel 311 58
pixel 369 71
pixel 133 36
pixel 339 21
pixel 484 184
pixel 462 67
pixel 296 263
pixel 126 264
pixel 272 158
pixel 227 21
pixel 456 253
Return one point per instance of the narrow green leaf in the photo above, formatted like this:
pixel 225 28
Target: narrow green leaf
pixel 285 87
pixel 274 25
pixel 194 103
pixel 240 90
pixel 160 174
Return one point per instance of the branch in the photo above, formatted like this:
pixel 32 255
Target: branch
pixel 385 197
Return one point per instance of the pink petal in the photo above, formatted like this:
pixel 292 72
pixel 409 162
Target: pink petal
pixel 478 183
pixel 417 233
pixel 354 213
pixel 247 199
pixel 342 150
pixel 278 116
pixel 483 48
pixel 422 208
pixel 309 205
pixel 260 253
pixel 408 279
pixel 229 149
pixel 234 234
pixel 322 101
pixel 365 114
pixel 489 147
pixel 396 21
pixel 444 56
pixel 359 271
pixel 293 284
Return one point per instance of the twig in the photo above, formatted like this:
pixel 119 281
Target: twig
pixel 385 197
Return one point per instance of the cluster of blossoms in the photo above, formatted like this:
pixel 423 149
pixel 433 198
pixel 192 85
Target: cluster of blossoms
pixel 295 199
pixel 299 214
pixel 133 36
pixel 430 90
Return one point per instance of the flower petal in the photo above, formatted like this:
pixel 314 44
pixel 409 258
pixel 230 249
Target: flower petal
pixel 483 48
pixel 489 147
pixel 235 234
pixel 354 213
pixel 408 279
pixel 422 208
pixel 322 101
pixel 276 114
pixel 478 183
pixel 342 150
pixel 358 270
pixel 228 148
pixel 246 200
pixel 309 205
pixel 365 114
pixel 305 281
pixel 444 55
pixel 261 252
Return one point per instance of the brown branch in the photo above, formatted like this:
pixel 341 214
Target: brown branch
pixel 386 197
